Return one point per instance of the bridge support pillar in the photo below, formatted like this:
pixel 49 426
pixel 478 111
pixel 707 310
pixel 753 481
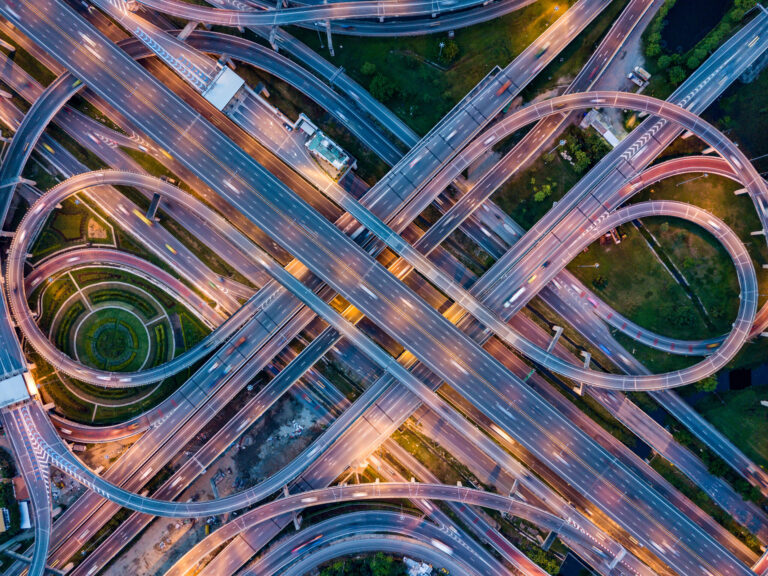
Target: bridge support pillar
pixel 587 359
pixel 549 541
pixel 708 150
pixel 757 233
pixel 740 191
pixel 328 36
pixel 515 486
pixel 152 210
pixel 558 332
pixel 10 47
pixel 272 34
pixel 187 30
pixel 617 559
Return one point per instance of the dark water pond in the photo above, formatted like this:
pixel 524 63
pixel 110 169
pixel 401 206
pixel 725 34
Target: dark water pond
pixel 690 20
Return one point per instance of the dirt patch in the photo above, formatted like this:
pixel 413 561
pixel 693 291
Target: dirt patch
pixel 274 441
pixel 96 231
pixel 64 490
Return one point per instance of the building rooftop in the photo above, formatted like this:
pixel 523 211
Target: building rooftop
pixel 326 149
pixel 223 88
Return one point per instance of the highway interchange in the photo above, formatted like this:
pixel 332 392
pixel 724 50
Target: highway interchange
pixel 451 345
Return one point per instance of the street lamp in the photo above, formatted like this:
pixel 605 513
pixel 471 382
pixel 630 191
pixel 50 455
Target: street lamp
pixel 595 265
pixel 442 45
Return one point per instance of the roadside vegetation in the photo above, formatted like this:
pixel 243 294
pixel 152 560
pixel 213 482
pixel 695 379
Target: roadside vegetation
pixel 739 415
pixel 377 565
pixel 419 80
pixel 671 67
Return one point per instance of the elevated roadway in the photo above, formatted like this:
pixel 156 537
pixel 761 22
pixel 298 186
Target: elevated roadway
pixel 453 378
pixel 333 11
pixel 638 205
pixel 418 26
pixel 99 257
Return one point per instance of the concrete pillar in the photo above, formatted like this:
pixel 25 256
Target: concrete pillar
pixel 548 542
pixel 617 559
pixel 10 47
pixel 272 34
pixel 708 150
pixel 757 233
pixel 328 35
pixel 587 358
pixel 187 30
pixel 558 332
pixel 152 210
pixel 515 486
pixel 740 191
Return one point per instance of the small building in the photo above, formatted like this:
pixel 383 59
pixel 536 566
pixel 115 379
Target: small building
pixel 20 488
pixel 331 157
pixel 15 389
pixel 5 520
pixel 224 87
pixel 25 524
pixel 415 568
pixel 597 121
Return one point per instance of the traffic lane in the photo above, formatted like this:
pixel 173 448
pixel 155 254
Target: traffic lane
pixel 635 154
pixel 544 130
pixel 454 378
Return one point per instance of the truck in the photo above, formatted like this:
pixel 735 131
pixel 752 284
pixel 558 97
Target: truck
pixel 540 52
pixel 642 73
pixel 636 79
pixel 504 86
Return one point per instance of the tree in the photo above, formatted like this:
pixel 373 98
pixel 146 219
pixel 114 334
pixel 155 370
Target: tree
pixel 692 62
pixel 599 282
pixel 709 384
pixel 581 161
pixel 541 194
pixel 368 68
pixel 664 61
pixel 676 74
pixel 652 50
pixel 382 88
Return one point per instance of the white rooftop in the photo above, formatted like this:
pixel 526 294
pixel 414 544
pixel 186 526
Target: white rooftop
pixel 13 389
pixel 223 88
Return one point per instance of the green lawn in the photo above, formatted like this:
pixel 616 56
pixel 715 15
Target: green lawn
pixel 424 88
pixel 741 418
pixel 113 339
pixel 637 285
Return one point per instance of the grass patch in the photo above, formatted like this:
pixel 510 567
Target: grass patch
pixel 68 227
pixel 112 339
pixel 739 415
pixel 421 87
pixel 631 279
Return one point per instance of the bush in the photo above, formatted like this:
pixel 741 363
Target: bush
pixel 382 88
pixel 676 74
pixel 450 52
pixel 368 68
